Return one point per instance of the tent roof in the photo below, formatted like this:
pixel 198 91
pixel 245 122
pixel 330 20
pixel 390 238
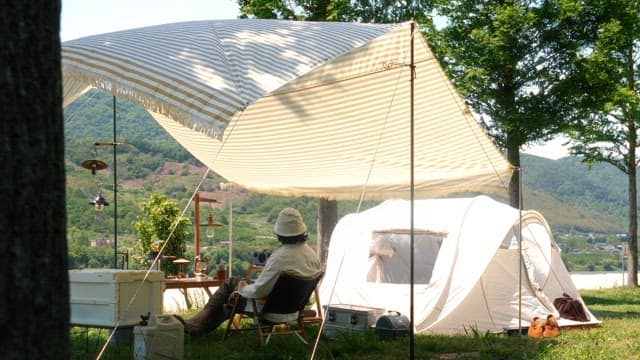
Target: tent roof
pixel 297 108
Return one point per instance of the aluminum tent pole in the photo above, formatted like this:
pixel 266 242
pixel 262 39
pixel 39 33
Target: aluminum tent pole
pixel 412 69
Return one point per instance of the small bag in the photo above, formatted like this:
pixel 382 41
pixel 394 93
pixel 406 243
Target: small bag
pixel 570 308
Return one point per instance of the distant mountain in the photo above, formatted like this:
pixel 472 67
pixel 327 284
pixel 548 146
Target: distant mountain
pixel 574 197
pixel 571 196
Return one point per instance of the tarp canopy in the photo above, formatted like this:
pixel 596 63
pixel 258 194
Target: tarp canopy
pixel 467 265
pixel 297 108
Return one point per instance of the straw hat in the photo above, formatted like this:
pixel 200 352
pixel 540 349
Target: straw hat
pixel 289 223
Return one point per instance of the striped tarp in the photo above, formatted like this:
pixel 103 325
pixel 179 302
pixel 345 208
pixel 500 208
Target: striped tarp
pixel 297 108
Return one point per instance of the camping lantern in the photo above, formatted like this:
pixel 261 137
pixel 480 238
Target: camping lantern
pixel 99 202
pixel 211 223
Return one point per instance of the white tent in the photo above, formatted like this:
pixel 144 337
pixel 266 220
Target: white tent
pixel 466 264
pixel 297 108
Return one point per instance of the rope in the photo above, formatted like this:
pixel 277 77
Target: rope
pixel 174 225
pixel 90 96
pixel 165 243
pixel 465 109
pixel 486 303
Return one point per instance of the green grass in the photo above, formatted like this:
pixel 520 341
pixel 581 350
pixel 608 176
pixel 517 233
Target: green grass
pixel 617 338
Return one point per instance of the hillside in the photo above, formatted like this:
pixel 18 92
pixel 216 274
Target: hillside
pixel 572 197
pixel 575 198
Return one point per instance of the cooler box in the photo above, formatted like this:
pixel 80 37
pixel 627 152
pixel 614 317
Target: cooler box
pixel 100 297
pixel 162 338
pixel 342 318
pixel 392 326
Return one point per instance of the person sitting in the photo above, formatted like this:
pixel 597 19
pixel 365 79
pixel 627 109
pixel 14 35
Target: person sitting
pixel 293 256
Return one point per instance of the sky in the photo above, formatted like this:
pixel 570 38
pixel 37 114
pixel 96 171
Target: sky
pixel 90 17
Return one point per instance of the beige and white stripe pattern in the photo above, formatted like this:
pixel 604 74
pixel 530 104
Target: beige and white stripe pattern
pixel 297 108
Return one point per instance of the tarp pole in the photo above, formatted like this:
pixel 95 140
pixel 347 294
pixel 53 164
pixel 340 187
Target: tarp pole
pixel 412 68
pixel 115 191
pixel 520 206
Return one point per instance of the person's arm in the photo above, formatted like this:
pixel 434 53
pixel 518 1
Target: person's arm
pixel 263 285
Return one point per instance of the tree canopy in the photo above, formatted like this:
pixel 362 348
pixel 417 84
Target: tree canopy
pixel 367 11
pixel 608 131
pixel 513 63
pixel 163 227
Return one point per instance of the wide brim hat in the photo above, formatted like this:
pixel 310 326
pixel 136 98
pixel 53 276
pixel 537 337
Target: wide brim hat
pixel 289 223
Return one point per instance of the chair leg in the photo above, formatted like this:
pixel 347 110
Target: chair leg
pixel 231 319
pixel 300 334
pixel 256 321
pixel 301 325
pixel 301 337
pixel 260 332
pixel 269 336
pixel 226 330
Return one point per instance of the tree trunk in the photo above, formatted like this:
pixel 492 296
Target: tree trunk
pixel 34 285
pixel 632 278
pixel 513 156
pixel 327 219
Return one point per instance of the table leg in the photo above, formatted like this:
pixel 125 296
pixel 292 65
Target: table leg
pixel 186 297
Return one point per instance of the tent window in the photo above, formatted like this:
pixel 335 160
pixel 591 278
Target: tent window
pixel 389 255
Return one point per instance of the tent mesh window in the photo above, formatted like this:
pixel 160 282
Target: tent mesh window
pixel 389 255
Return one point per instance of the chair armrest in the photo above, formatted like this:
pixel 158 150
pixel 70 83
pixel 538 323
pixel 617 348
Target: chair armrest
pixel 251 269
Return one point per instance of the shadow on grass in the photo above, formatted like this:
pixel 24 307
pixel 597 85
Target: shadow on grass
pixel 616 303
pixel 623 295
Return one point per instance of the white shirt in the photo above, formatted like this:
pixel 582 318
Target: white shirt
pixel 296 259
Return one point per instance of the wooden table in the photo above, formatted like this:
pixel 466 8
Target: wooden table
pixel 189 283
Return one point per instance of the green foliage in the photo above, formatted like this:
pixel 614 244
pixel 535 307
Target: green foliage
pixel 610 60
pixel 381 11
pixel 506 59
pixel 512 61
pixel 608 130
pixel 161 224
pixel 575 198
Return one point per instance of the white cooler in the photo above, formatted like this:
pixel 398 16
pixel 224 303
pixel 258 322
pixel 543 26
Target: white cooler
pixel 101 297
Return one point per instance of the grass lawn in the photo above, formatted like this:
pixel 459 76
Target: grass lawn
pixel 617 338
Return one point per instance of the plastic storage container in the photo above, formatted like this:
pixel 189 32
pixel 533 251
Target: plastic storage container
pixel 162 338
pixel 101 297
pixel 349 318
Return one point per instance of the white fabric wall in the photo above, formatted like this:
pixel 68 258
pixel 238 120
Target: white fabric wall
pixel 475 278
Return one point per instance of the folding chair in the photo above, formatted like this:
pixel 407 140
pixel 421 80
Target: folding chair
pixel 290 294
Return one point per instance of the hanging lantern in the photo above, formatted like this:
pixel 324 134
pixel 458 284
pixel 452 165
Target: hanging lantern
pixel 99 202
pixel 211 223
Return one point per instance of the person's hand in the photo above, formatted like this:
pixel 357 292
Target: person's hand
pixel 241 284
